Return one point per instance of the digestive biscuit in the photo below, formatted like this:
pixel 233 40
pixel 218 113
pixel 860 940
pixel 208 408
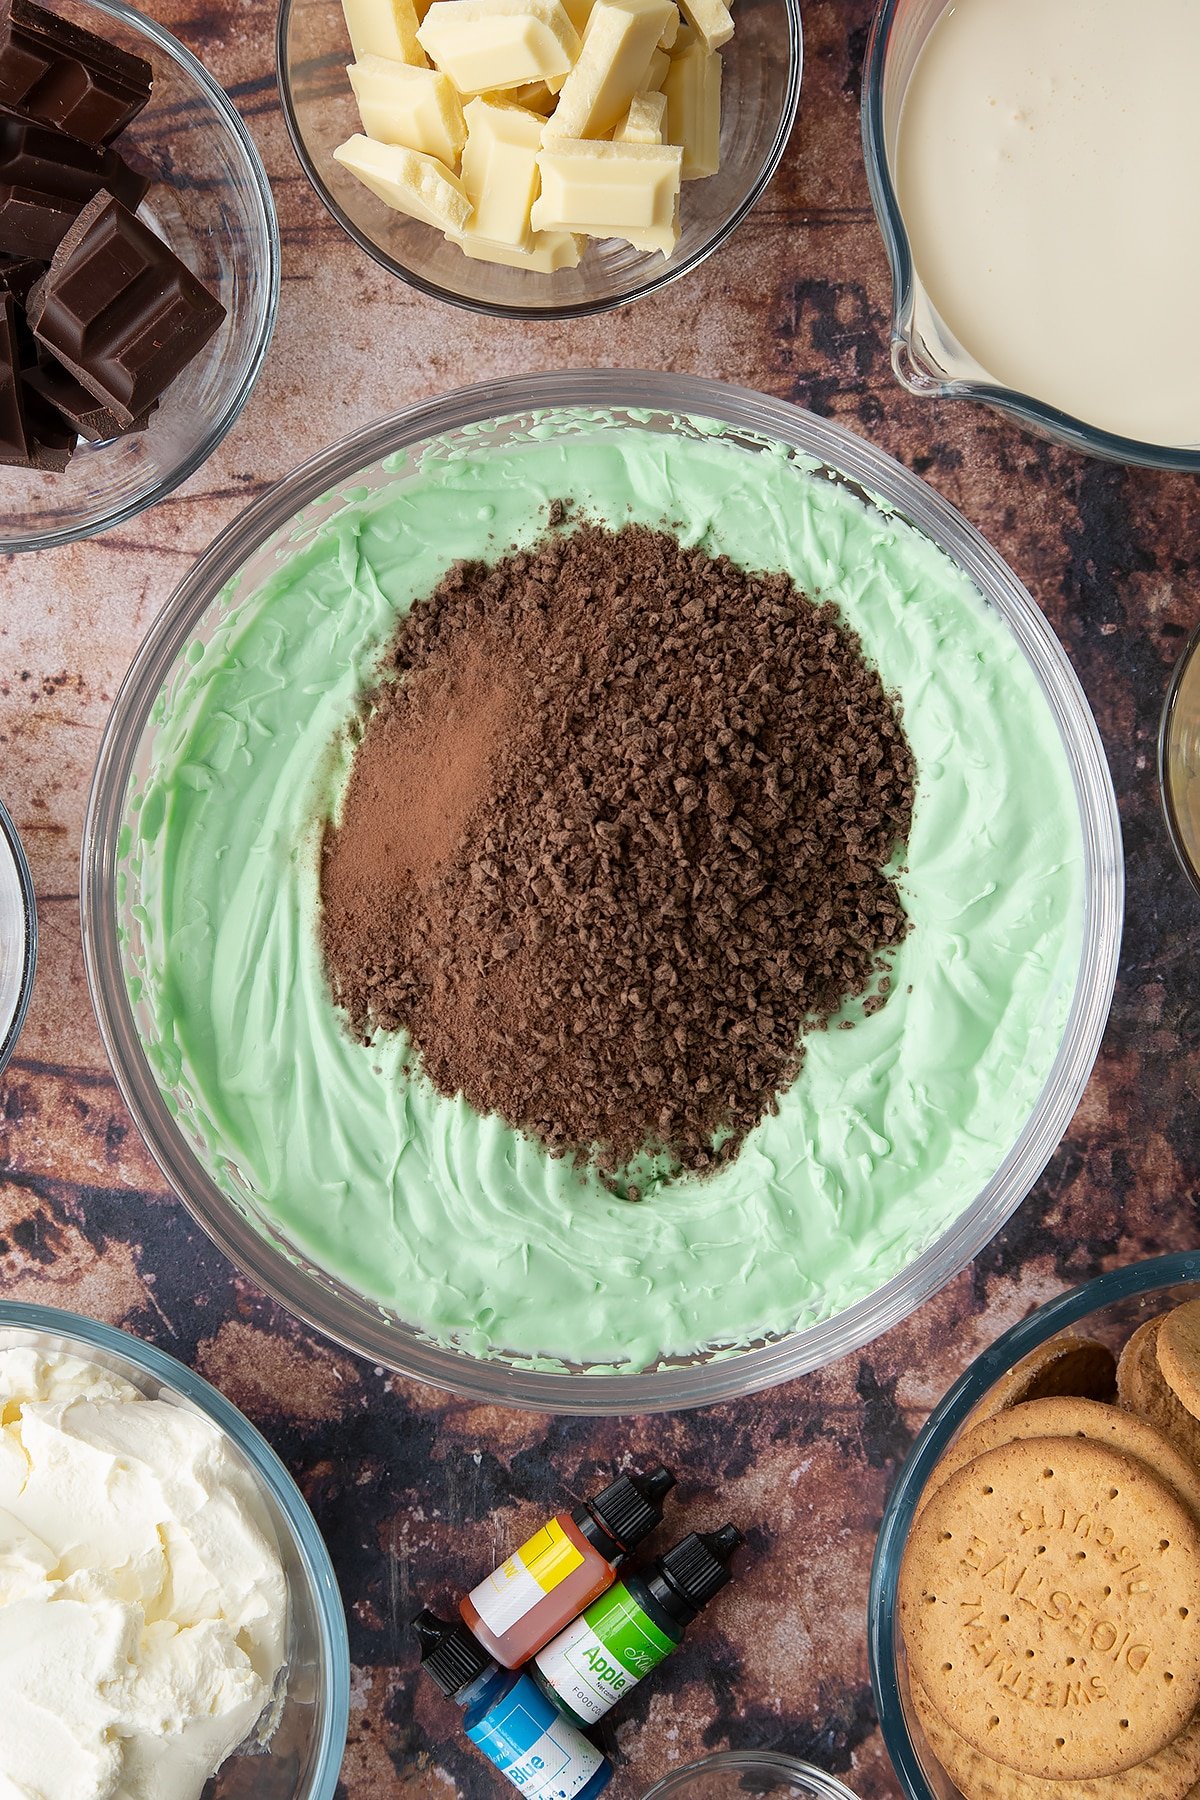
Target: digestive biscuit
pixel 1050 1606
pixel 1066 1365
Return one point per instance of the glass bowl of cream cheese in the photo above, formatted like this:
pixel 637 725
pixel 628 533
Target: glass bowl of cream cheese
pixel 1106 1311
pixel 18 937
pixel 170 1622
pixel 440 1242
pixel 1024 162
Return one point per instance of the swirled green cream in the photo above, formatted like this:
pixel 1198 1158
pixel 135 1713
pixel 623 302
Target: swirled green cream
pixel 468 1231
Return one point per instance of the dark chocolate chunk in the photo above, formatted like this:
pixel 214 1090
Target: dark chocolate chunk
pixel 47 178
pixel 55 71
pixel 119 309
pixel 18 274
pixel 52 440
pixel 14 431
pixel 88 417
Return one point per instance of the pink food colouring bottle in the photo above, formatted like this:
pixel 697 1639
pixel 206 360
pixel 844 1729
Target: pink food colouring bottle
pixel 569 1563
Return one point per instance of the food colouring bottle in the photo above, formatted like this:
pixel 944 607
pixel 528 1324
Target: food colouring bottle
pixel 569 1563
pixel 635 1626
pixel 517 1728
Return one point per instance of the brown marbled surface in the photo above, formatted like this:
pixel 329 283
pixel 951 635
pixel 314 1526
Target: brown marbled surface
pixel 417 1493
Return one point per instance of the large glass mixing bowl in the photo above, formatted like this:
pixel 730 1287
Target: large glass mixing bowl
pixel 228 577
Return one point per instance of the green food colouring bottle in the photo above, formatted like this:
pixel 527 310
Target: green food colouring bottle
pixel 624 1635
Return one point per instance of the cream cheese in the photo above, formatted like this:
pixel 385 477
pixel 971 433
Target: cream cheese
pixel 470 1232
pixel 143 1606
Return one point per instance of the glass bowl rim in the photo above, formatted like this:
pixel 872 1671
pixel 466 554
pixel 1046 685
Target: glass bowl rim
pixel 220 104
pixel 753 1762
pixel 1178 676
pixel 1147 1277
pixel 576 309
pixel 12 842
pixel 269 1468
pixel 716 1378
pixel 1046 419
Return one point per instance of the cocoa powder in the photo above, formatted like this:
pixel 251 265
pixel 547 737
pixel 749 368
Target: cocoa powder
pixel 616 836
pixel 424 768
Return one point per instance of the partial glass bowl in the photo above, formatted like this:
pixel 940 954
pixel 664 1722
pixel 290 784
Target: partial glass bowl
pixel 18 937
pixel 741 1774
pixel 212 203
pixel 304 1756
pixel 926 358
pixel 760 95
pixel 1110 1308
pixel 1179 760
pixel 229 575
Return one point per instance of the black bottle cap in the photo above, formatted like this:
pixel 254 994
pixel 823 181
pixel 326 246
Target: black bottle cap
pixel 698 1568
pixel 630 1508
pixel 449 1654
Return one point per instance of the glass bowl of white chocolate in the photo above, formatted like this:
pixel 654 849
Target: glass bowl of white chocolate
pixel 170 1622
pixel 539 158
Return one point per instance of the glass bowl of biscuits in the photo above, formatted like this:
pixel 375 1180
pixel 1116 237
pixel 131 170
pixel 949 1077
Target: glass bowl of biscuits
pixel 1034 1617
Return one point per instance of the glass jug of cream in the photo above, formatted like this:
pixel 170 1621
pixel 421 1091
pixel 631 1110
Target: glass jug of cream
pixel 1031 163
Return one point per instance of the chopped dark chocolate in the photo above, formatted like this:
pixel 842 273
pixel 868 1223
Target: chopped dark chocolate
pixel 618 833
pixel 119 309
pixel 88 417
pixel 63 75
pixel 14 432
pixel 47 178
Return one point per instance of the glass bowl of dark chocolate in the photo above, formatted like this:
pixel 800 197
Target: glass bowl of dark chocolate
pixel 372 1192
pixel 762 69
pixel 139 268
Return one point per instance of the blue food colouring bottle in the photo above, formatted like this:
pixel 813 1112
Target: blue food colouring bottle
pixel 509 1719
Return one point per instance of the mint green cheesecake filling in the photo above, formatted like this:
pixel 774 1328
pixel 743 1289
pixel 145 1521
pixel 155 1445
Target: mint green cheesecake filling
pixel 468 1231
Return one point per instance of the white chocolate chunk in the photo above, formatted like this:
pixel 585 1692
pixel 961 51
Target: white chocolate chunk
pixel 662 237
pixel 548 251
pixel 608 190
pixel 419 108
pixel 384 28
pixel 693 90
pixel 408 182
pixel 500 172
pixel 671 31
pixel 621 38
pixel 656 74
pixel 494 44
pixel 534 95
pixel 711 18
pixel 644 122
